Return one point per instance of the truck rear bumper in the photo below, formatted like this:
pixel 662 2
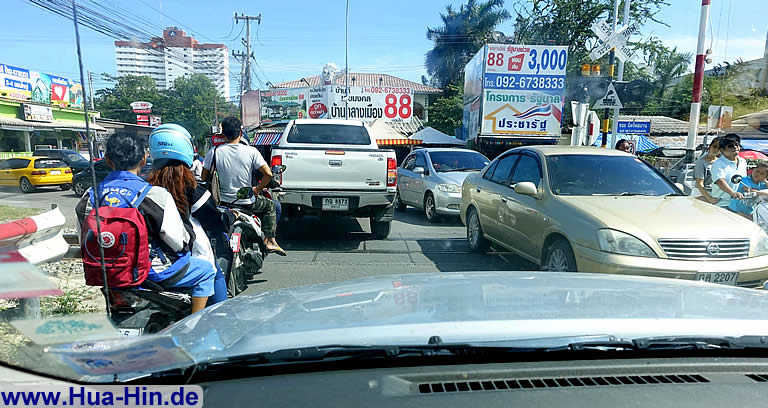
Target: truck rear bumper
pixel 361 204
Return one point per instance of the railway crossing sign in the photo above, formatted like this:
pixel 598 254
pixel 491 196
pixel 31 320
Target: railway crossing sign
pixel 609 39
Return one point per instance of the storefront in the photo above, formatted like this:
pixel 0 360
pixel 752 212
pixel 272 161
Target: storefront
pixel 26 126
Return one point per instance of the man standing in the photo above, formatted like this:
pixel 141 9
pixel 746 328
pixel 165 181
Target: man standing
pixel 235 163
pixel 723 169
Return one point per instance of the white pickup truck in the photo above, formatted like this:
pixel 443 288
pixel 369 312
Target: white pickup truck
pixel 335 167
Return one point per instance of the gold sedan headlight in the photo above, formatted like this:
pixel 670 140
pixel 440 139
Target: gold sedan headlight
pixel 762 244
pixel 618 242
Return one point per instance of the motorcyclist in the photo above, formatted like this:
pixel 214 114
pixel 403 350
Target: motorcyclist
pixel 235 163
pixel 170 146
pixel 172 265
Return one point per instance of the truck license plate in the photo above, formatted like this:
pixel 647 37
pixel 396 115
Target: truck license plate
pixel 335 204
pixel 130 332
pixel 723 278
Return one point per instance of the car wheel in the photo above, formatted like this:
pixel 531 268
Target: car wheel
pixel 380 229
pixel 78 188
pixel 26 186
pixel 559 257
pixel 65 187
pixel 399 204
pixel 477 242
pixel 430 210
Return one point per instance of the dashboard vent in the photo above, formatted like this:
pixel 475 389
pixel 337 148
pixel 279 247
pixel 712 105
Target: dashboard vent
pixel 500 384
pixel 758 377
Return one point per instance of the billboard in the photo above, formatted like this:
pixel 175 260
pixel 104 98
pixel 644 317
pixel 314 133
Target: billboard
pixel 370 103
pixel 523 90
pixel 282 105
pixel 473 92
pixel 251 106
pixel 15 83
pixel 22 84
pixel 719 117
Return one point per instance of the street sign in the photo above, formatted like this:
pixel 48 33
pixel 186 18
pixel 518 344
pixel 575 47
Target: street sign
pixel 610 100
pixel 609 39
pixel 643 128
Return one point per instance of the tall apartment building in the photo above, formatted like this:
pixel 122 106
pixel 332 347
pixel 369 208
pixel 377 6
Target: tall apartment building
pixel 172 56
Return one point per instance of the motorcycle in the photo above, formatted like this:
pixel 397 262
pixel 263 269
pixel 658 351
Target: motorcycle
pixel 239 252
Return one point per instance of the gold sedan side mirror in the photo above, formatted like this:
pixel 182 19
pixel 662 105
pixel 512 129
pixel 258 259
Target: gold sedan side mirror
pixel 526 188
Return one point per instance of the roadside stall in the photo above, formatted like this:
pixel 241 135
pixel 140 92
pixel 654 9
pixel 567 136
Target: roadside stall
pixel 388 138
pixel 434 138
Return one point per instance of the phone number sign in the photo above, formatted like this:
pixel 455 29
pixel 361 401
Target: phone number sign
pixel 539 67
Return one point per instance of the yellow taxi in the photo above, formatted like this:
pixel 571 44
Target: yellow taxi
pixel 31 172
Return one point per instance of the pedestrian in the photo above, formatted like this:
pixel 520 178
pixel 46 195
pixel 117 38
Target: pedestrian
pixel 723 169
pixel 702 172
pixel 624 146
pixel 754 183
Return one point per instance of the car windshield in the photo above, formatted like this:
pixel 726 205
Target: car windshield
pixel 365 183
pixel 73 156
pixel 585 175
pixel 328 134
pixel 457 161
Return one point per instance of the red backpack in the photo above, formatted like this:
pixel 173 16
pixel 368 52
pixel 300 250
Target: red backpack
pixel 124 238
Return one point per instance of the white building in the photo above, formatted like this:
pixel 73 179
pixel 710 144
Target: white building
pixel 172 56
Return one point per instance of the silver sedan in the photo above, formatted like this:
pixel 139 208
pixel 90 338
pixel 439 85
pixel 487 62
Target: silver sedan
pixel 431 179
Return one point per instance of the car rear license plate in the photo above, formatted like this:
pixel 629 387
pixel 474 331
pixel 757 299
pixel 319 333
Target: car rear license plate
pixel 130 332
pixel 335 204
pixel 55 171
pixel 723 278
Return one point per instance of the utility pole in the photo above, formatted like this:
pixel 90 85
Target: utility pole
pixel 346 62
pixel 611 68
pixel 246 57
pixel 90 88
pixel 615 125
pixel 698 82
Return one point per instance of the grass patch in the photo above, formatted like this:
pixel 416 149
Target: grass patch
pixel 8 213
pixel 71 302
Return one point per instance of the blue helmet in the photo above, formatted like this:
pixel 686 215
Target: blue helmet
pixel 170 142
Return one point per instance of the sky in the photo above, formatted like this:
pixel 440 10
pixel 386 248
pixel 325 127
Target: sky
pixel 296 38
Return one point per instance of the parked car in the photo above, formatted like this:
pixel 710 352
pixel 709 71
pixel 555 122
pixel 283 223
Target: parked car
pixel 83 181
pixel 31 172
pixel 335 167
pixel 73 159
pixel 600 210
pixel 431 179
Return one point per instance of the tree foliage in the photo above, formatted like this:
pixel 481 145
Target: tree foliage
pixel 460 36
pixel 446 113
pixel 189 102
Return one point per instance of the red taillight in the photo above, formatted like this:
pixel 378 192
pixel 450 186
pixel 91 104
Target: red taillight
pixel 38 173
pixel 277 160
pixel 68 171
pixel 391 173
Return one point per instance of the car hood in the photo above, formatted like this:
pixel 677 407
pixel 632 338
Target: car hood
pixel 455 177
pixel 662 217
pixel 469 307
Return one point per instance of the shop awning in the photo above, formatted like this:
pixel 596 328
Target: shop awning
pixel 9 123
pixel 386 136
pixel 265 137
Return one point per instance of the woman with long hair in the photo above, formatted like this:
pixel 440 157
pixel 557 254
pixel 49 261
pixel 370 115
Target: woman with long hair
pixel 170 146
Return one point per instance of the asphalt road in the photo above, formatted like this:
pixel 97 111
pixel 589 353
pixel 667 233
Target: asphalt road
pixel 336 249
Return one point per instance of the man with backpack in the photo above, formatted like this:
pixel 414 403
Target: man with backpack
pixel 142 233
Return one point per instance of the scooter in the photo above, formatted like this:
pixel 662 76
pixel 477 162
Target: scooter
pixel 147 309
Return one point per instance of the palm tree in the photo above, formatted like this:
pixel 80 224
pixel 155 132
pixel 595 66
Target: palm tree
pixel 669 64
pixel 462 34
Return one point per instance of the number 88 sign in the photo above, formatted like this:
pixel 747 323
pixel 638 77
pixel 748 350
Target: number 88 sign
pixel 395 106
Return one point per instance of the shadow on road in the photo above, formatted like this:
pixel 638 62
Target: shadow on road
pixel 415 216
pixel 453 255
pixel 310 233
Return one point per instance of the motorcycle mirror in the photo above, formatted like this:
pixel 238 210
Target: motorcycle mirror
pixel 244 193
pixel 736 179
pixel 277 169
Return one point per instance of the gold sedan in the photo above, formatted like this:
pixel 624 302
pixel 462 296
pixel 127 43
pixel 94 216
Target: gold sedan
pixel 598 210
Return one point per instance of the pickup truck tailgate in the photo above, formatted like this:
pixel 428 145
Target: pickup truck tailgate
pixel 332 168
